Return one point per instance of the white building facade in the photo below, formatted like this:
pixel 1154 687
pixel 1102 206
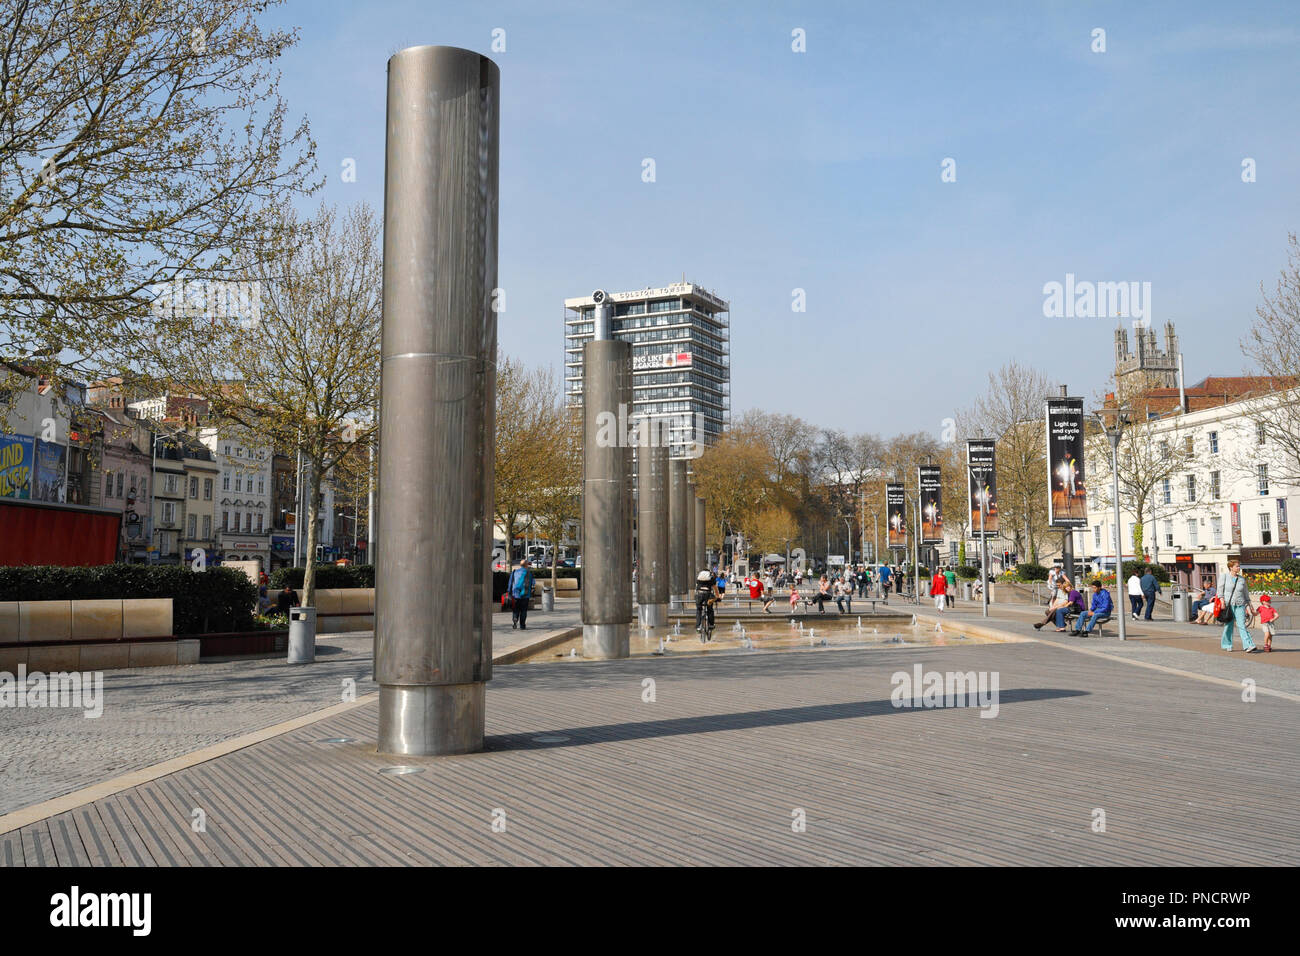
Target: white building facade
pixel 243 509
pixel 1231 497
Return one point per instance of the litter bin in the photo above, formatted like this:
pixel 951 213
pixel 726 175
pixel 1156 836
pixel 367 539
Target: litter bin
pixel 1182 602
pixel 966 587
pixel 302 635
pixel 548 598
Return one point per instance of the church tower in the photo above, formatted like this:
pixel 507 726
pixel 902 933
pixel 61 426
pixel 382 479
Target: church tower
pixel 1148 366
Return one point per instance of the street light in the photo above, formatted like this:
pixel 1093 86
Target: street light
pixel 1121 419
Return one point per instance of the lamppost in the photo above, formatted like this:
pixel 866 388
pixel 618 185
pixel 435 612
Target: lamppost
pixel 1121 419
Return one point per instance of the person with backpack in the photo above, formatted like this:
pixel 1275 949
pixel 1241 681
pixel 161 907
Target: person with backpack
pixel 1235 608
pixel 520 590
pixel 706 595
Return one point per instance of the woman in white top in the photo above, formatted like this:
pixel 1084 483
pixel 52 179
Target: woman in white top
pixel 1135 594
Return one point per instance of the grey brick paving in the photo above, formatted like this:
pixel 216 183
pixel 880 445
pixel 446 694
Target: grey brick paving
pixel 732 746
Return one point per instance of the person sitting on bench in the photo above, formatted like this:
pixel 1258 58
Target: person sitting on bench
pixel 1102 606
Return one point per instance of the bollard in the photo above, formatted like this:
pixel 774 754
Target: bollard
pixel 302 635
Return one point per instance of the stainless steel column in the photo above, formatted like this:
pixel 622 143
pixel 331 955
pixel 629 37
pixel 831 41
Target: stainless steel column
pixel 652 533
pixel 689 544
pixel 606 493
pixel 701 535
pixel 433 632
pixel 679 574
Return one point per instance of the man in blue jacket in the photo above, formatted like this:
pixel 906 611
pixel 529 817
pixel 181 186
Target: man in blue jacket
pixel 521 592
pixel 1150 588
pixel 1101 609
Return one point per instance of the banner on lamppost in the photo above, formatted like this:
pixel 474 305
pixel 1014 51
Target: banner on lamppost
pixel 1235 510
pixel 1067 502
pixel 982 481
pixel 896 515
pixel 1283 533
pixel 929 481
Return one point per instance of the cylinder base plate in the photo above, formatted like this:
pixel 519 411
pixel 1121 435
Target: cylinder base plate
pixel 432 720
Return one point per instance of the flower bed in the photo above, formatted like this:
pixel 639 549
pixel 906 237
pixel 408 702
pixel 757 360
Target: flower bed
pixel 1273 582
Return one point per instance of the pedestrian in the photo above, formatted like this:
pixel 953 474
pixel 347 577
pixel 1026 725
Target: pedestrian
pixel 794 599
pixel 1134 594
pixel 950 576
pixel 286 599
pixel 1150 588
pixel 706 595
pixel 1267 615
pixel 520 589
pixel 1236 606
pixel 884 581
pixel 939 591
pixel 844 595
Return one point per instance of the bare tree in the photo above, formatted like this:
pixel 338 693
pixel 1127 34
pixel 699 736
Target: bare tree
pixel 1011 412
pixel 306 374
pixel 1273 344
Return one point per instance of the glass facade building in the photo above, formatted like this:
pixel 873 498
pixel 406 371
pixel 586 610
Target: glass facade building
pixel 681 358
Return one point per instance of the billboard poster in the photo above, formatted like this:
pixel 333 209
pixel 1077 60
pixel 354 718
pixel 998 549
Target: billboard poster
pixel 17 457
pixel 50 482
pixel 981 474
pixel 896 515
pixel 930 482
pixel 1283 535
pixel 1067 501
pixel 1235 508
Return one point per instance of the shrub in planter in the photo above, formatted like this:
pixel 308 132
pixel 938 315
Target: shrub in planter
pixel 1028 571
pixel 218 599
pixel 328 577
pixel 1291 567
pixel 968 571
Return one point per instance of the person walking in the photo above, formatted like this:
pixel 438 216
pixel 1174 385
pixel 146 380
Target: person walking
pixel 884 581
pixel 1236 607
pixel 1267 615
pixel 1150 588
pixel 520 588
pixel 950 576
pixel 939 591
pixel 1134 595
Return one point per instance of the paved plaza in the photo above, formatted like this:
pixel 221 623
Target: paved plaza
pixel 797 757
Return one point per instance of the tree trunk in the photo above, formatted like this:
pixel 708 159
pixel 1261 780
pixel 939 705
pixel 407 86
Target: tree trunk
pixel 313 509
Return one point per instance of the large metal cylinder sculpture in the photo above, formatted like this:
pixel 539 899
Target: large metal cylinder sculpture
pixel 698 545
pixel 606 492
pixel 680 576
pixel 652 533
pixel 689 543
pixel 433 630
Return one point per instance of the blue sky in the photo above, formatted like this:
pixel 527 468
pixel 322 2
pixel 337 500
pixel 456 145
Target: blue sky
pixel 820 170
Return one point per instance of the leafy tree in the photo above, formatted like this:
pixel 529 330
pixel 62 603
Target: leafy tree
pixel 140 144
